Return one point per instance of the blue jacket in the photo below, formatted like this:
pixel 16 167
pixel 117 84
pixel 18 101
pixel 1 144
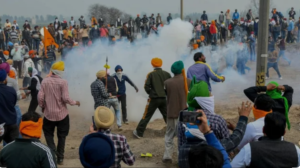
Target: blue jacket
pixel 121 83
pixel 291 26
pixel 235 15
pixel 255 27
pixel 8 100
pixel 203 72
pixel 212 140
pixel 252 40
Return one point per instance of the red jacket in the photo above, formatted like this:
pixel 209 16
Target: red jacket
pixel 213 29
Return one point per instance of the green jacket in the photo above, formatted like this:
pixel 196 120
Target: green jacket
pixel 154 85
pixel 27 153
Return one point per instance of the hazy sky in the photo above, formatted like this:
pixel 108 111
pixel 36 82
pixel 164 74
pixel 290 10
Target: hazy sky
pixel 78 7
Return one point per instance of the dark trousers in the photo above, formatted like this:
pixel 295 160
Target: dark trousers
pixel 152 105
pixel 36 44
pixel 85 41
pixel 275 66
pixel 10 134
pixel 289 38
pixel 122 99
pixel 2 46
pixel 26 83
pixel 63 127
pixel 34 102
pixel 18 66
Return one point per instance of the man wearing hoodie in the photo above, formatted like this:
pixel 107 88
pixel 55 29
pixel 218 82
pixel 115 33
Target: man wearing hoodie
pixel 235 15
pixel 154 87
pixel 16 52
pixel 121 78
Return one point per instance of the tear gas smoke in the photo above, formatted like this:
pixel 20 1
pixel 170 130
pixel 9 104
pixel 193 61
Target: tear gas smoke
pixel 170 45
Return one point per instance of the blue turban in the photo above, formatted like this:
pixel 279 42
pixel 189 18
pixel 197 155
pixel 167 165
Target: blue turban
pixel 3 75
pixel 97 150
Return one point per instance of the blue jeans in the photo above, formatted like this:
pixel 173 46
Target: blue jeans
pixel 282 54
pixel 252 52
pixel 273 65
pixel 114 102
pixel 198 34
pixel 214 38
pixel 36 44
pixel 241 67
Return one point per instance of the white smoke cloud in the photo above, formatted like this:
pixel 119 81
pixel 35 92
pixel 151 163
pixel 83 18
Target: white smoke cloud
pixel 170 45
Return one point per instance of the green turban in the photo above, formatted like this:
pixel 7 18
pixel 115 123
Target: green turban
pixel 177 67
pixel 276 94
pixel 30 69
pixel 198 89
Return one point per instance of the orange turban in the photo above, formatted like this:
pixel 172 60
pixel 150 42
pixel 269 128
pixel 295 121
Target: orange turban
pixel 213 22
pixel 156 62
pixel 228 10
pixel 5 52
pixel 32 129
pixel 195 46
pixel 12 74
pixel 202 38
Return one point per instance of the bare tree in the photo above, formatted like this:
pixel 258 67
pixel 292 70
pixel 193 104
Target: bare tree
pixel 109 15
pixel 254 6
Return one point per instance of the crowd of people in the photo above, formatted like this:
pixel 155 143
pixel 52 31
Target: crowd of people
pixel 207 143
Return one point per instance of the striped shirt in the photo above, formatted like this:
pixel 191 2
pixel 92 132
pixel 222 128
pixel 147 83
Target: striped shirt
pixel 13 35
pixel 54 97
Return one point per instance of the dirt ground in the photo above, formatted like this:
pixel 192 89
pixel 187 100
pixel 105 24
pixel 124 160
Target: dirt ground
pixel 153 140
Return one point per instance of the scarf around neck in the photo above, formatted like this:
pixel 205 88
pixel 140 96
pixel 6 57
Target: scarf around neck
pixel 277 94
pixel 259 113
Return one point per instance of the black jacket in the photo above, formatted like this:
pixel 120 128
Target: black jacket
pixel 204 16
pixel 278 105
pixel 8 100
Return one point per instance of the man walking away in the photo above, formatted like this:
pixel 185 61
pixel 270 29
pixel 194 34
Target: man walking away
pixel 176 101
pixel 281 45
pixel 154 87
pixel 8 115
pixel 34 153
pixel 272 63
pixel 53 99
pixel 121 78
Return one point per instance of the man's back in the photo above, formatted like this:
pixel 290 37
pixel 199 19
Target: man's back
pixel 175 95
pixel 27 153
pixel 8 100
pixel 54 97
pixel 154 85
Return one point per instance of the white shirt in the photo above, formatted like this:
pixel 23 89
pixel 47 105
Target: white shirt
pixel 253 132
pixel 243 159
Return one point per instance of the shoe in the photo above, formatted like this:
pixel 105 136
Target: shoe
pixel 60 161
pixel 136 135
pixel 267 78
pixel 125 122
pixel 167 160
pixel 280 78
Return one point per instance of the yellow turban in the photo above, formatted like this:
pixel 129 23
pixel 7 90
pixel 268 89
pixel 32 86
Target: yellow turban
pixel 10 61
pixel 101 74
pixel 156 62
pixel 60 66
